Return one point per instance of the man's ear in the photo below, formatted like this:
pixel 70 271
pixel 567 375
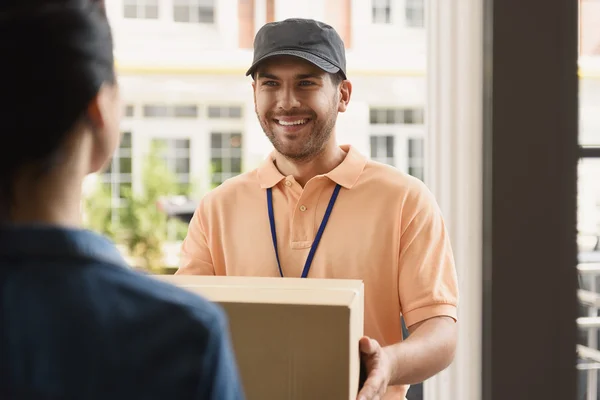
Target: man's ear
pixel 345 94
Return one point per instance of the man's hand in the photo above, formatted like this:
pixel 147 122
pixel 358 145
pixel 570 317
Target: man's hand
pixel 378 365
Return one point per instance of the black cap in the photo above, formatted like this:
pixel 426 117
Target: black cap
pixel 308 39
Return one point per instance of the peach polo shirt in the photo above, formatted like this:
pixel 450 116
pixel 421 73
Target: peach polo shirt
pixel 385 229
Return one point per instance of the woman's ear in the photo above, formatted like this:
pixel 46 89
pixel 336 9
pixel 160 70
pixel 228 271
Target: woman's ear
pixel 104 116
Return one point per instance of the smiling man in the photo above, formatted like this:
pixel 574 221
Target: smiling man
pixel 315 209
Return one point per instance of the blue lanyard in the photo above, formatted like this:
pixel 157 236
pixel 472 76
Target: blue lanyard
pixel 313 248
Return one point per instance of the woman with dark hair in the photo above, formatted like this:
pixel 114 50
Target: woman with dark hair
pixel 75 321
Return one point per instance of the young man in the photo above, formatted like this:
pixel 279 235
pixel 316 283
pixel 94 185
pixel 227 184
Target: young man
pixel 369 221
pixel 75 321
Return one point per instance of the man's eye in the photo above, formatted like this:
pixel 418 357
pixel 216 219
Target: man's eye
pixel 269 83
pixel 306 83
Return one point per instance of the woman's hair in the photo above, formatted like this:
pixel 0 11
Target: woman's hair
pixel 56 54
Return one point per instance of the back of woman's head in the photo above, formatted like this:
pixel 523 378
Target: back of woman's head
pixel 56 55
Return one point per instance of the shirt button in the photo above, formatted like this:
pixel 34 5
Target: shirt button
pixel 288 183
pixel 303 208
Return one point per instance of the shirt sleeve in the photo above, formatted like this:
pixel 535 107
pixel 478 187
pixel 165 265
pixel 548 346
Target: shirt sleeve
pixel 220 378
pixel 195 252
pixel 427 280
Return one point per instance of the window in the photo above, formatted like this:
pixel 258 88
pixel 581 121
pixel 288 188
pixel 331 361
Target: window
pixel 382 11
pixel 232 112
pixel 129 111
pixel 194 11
pixel 415 13
pixel 176 154
pixel 226 156
pixel 382 149
pixel 164 111
pixel 416 160
pixel 117 176
pixel 140 9
pixel 393 116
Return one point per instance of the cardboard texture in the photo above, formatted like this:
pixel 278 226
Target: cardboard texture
pixel 293 338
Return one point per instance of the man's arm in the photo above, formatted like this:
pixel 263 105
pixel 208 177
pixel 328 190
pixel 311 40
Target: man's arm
pixel 428 292
pixel 428 350
pixel 195 252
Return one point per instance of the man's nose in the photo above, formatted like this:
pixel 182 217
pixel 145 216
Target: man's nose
pixel 287 99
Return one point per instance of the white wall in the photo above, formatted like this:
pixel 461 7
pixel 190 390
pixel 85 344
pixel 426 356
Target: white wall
pixel 162 42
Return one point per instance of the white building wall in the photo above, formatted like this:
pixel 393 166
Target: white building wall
pixel 164 62
pixel 161 61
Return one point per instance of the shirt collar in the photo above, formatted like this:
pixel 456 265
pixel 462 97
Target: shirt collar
pixel 51 241
pixel 346 174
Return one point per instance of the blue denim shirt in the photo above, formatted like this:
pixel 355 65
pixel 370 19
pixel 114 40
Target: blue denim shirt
pixel 77 323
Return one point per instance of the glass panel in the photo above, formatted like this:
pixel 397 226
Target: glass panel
pixel 235 112
pixel 216 140
pixel 125 140
pixel 217 165
pixel 186 111
pixel 390 116
pixel 130 11
pixel 182 143
pixel 588 200
pixel 129 110
pixel 236 165
pixel 125 165
pixel 373 116
pixel 589 110
pixel 389 146
pixel 415 13
pixel 206 15
pixel 214 112
pixel 156 111
pixel 415 148
pixel 181 14
pixel 182 166
pixel 151 12
pixel 373 140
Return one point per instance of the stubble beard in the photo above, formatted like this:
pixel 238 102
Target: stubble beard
pixel 313 145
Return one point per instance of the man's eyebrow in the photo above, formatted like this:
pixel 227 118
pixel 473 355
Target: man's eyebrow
pixel 267 75
pixel 307 76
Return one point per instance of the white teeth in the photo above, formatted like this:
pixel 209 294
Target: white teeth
pixel 299 122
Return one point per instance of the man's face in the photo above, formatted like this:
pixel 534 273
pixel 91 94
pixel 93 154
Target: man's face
pixel 297 105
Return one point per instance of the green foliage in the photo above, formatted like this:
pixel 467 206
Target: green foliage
pixel 141 226
pixel 98 211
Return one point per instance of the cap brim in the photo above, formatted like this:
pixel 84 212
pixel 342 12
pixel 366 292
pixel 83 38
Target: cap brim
pixel 316 60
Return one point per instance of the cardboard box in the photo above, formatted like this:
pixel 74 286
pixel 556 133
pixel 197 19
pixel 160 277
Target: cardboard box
pixel 293 338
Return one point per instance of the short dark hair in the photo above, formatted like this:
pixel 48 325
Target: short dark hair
pixel 62 53
pixel 337 78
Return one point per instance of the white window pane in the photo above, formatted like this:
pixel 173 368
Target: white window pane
pixel 214 112
pixel 151 12
pixel 181 14
pixel 130 11
pixel 156 111
pixel 206 15
pixel 235 112
pixel 190 111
